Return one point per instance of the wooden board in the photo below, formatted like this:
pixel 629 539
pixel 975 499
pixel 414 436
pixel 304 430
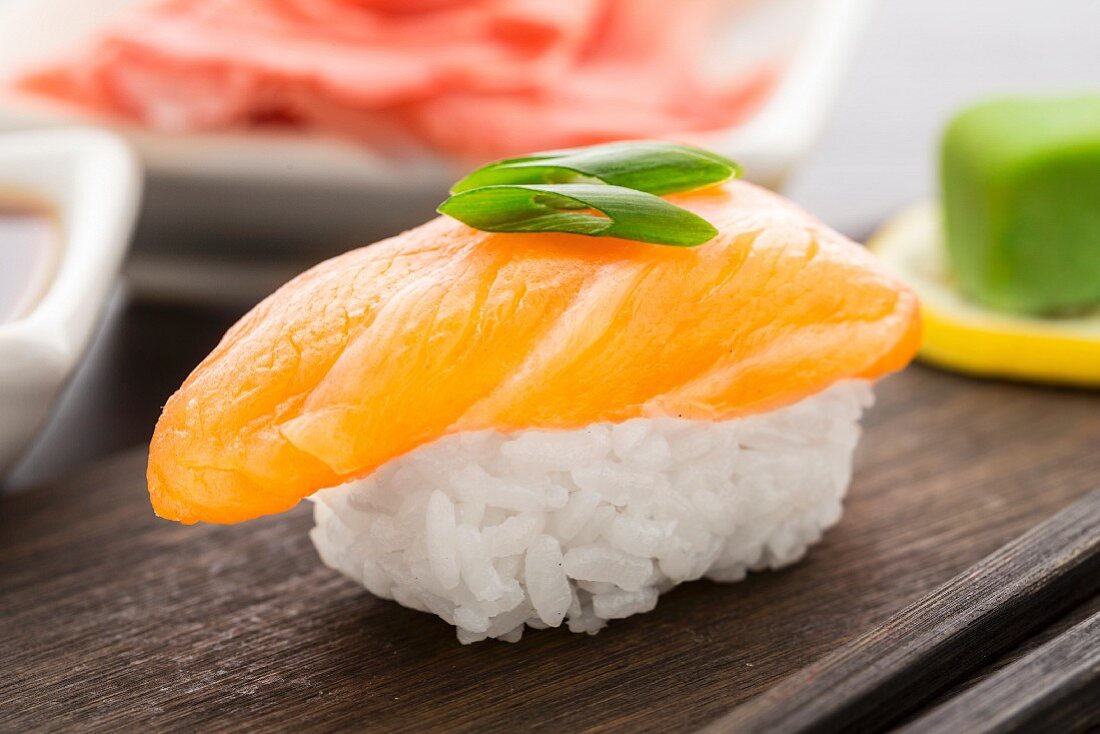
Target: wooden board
pixel 114 619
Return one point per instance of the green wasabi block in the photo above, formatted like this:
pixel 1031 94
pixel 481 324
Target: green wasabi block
pixel 1021 199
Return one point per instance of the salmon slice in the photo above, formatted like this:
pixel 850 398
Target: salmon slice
pixel 445 329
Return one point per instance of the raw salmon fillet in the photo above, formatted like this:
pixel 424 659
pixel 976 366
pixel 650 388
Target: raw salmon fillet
pixel 445 329
pixel 472 78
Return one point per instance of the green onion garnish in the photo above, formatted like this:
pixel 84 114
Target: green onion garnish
pixel 619 212
pixel 654 166
pixel 608 190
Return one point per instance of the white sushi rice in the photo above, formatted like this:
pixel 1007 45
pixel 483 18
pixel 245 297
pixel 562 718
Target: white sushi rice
pixel 495 531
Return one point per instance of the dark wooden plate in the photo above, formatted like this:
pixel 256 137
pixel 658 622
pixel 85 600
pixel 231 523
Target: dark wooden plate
pixel 114 619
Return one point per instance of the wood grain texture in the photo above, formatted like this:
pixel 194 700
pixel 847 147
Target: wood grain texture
pixel 1078 615
pixel 1055 688
pixel 875 680
pixel 112 618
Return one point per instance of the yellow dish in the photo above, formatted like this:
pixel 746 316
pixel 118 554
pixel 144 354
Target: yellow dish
pixel 963 336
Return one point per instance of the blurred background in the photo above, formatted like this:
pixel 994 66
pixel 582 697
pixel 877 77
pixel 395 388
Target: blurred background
pixel 883 82
pixel 918 63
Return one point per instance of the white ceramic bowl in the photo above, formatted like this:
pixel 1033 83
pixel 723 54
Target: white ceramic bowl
pixel 283 194
pixel 93 182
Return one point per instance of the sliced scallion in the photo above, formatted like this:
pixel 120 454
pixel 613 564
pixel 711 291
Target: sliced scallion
pixel 654 166
pixel 596 210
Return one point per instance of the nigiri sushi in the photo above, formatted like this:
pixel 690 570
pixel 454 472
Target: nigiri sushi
pixel 512 429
